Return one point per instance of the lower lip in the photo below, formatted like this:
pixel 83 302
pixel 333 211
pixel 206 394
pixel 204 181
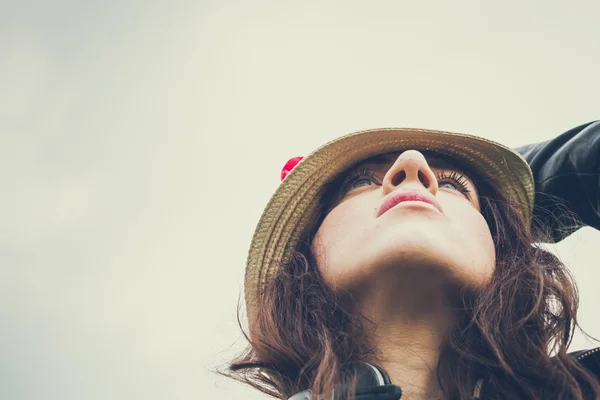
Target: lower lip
pixel 414 203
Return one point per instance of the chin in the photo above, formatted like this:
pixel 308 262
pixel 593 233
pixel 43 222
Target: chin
pixel 421 239
pixel 462 261
pixel 409 247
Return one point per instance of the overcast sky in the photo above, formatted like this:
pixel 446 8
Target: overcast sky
pixel 140 142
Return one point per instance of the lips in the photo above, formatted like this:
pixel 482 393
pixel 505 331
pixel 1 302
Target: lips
pixel 394 198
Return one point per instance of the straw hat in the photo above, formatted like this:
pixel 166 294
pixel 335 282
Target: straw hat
pixel 294 208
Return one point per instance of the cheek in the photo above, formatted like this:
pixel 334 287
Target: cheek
pixel 330 229
pixel 340 232
pixel 485 240
pixel 320 246
pixel 478 242
pixel 321 237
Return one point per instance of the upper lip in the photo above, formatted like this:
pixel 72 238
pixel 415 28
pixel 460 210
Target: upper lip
pixel 396 197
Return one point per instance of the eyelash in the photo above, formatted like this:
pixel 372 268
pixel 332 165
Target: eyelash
pixel 456 178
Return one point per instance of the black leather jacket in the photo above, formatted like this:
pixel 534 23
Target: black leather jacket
pixel 566 171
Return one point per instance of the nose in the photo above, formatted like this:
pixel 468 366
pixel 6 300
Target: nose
pixel 412 171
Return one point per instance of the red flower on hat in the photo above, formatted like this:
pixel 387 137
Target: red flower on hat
pixel 289 166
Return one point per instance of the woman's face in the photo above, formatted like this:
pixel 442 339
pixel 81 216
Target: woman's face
pixel 358 239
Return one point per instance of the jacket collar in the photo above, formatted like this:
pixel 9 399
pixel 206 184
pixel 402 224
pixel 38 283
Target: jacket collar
pixel 373 383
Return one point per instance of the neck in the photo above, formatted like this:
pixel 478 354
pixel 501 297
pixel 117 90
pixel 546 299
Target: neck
pixel 412 315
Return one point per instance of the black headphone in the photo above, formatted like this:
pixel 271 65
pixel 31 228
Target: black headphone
pixel 373 384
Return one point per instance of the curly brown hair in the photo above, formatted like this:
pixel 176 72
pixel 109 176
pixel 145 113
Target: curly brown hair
pixel 514 333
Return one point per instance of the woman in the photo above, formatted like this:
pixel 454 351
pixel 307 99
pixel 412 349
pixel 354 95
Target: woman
pixel 401 263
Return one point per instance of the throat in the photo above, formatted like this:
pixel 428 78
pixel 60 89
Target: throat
pixel 409 331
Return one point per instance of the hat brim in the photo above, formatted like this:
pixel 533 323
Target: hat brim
pixel 295 205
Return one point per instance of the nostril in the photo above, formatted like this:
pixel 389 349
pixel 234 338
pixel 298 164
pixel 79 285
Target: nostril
pixel 398 178
pixel 423 179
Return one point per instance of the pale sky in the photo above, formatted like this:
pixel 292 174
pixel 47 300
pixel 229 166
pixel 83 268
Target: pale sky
pixel 140 142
